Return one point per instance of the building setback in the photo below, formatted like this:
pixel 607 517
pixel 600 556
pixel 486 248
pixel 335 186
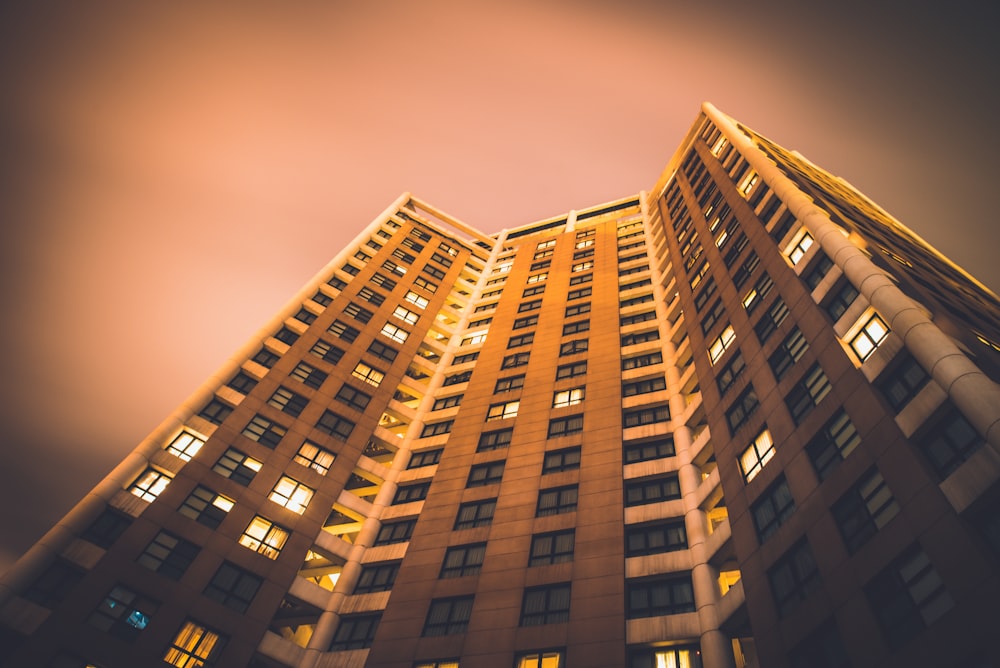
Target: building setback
pixel 745 418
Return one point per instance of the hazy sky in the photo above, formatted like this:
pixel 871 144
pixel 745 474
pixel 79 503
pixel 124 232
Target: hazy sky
pixel 171 173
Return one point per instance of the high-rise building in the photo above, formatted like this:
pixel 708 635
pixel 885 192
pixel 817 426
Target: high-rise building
pixel 745 418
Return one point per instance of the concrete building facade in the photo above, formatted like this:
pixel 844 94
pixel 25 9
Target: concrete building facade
pixel 745 418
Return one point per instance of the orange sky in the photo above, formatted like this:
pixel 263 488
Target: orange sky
pixel 171 173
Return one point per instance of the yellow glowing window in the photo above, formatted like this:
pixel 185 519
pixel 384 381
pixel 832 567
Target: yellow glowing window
pixel 291 494
pixel 265 537
pixel 395 333
pixel 501 411
pixel 869 338
pixel 186 445
pixel 584 244
pixel 475 339
pixel 750 298
pixel 568 397
pixel 722 238
pixel 582 266
pixel 757 455
pixel 677 658
pixel 503 268
pixel 368 374
pixel 416 299
pixel 548 243
pixel 537 278
pixel 405 315
pixel 798 250
pixel 721 344
pixel 541 660
pixel 719 145
pixel 315 457
pixel 149 485
pixel 193 646
pixel 749 183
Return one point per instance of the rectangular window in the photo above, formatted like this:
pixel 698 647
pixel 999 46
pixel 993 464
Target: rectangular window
pixel 565 459
pixel 509 383
pixel 149 484
pixel 807 394
pixel 532 291
pixel 382 351
pixel 216 411
pixel 448 616
pixel 773 507
pixel 327 352
pixel 514 360
pixel 757 454
pixel 503 410
pixel 757 293
pixel 264 537
pixel 411 492
pixel 529 306
pixel 815 274
pixel 416 300
pixel 528 321
pixel 640 337
pixel 788 353
pixel 902 382
pixel 233 587
pixel 864 509
pixel 457 378
pixel 556 501
pixel 465 359
pixel 352 397
pixel 368 374
pixel 564 426
pixel 544 264
pixel 580 279
pixel 545 605
pixel 648 449
pixel 638 361
pixel 712 316
pixel 291 494
pixel 793 577
pixel 841 298
pixel 265 358
pixel 729 373
pixel 832 444
pixel 123 613
pixel 447 402
pixel 424 458
pixel 658 596
pixel 554 547
pixel 185 445
pixel 635 318
pixel 520 340
pixel 383 281
pixel 800 248
pixel 370 296
pixel 537 278
pixel 642 491
pixel 206 506
pixel 237 466
pixel 286 336
pixel 950 442
pixel 436 428
pixel 871 335
pixel 168 555
pixel 579 293
pixel 574 347
pixel 571 370
pixel 740 411
pixel 312 456
pixel 743 274
pixel 719 346
pixel 308 376
pixel 645 415
pixel 495 440
pixel 571 397
pixel 335 425
pixel 377 577
pixel 355 632
pixel 907 597
pixel 474 340
pixel 106 529
pixel 242 382
pixel 576 327
pixel 770 321
pixel 655 537
pixel 343 331
pixel 395 532
pixel 463 560
pixel 358 312
pixel 577 309
pixel 475 514
pixel 489 473
pixel 194 645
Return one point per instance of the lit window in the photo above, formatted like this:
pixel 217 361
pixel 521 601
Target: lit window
pixel 474 340
pixel 194 645
pixel 537 278
pixel 504 410
pixel 264 536
pixel 757 455
pixel 749 183
pixel 395 333
pixel 416 299
pixel 368 374
pixel 548 243
pixel 721 344
pixel 503 267
pixel 868 339
pixel 186 445
pixel 149 485
pixel 547 659
pixel 291 494
pixel 583 266
pixel 315 457
pixel 405 315
pixel 800 248
pixel 568 397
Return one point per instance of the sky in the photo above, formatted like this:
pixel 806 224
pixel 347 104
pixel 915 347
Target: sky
pixel 172 173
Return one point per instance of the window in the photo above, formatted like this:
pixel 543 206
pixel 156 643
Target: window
pixel 308 376
pixel 548 243
pixel 579 280
pixel 206 506
pixel 424 458
pixel 342 330
pixel 793 577
pixel 358 312
pixel 168 555
pixel 106 529
pixel 686 657
pixel 416 300
pixel 871 335
pixel 571 370
pixel 264 537
pixel 528 292
pixel 579 293
pixel 757 454
pixel 520 340
pixel 576 327
pixel 577 309
pixel 556 501
pixel 287 336
pixel 368 374
pixel 292 494
pixel 382 351
pixel 335 425
pixel 729 373
pixel 503 410
pixel 788 353
pixel 773 507
pixel 474 340
pixel 421 282
pixel 123 613
pixel 554 547
pixel 702 298
pixel 242 382
pixel 312 456
pixel 657 596
pixel 464 359
pixel 337 283
pixel 574 347
pixel 265 358
pixel 447 402
pixel 436 428
pixel 383 281
pixel 327 352
pixel 842 298
pixel 457 378
pixel 54 584
pixel 448 616
pixel 529 306
pixel 377 577
pixel 403 256
pixel 544 264
pixel 903 382
pixel 646 415
pixel 646 450
pixel 411 492
pixel 545 605
pixel 494 440
pixel 149 484
pixel 463 560
pixel 509 383
pixel 515 360
pixel 264 431
pixel 581 254
pixel 815 274
pixel 564 426
pixel 489 473
pixel 537 278
pixel 635 301
pixel 194 645
pixel 475 514
pixel 713 316
pixel 642 491
pixel 397 334
pixel 565 398
pixel 237 466
pixel 770 321
pixel 565 459
pixel 640 337
pixel 216 411
pixel 720 345
pixel 807 394
pixel 654 538
pixel 233 586
pixel 185 445
pixel 799 249
pixel 371 296
pixel 395 532
pixel 907 597
pixel 355 632
pixel 832 444
pixel 634 318
pixel 864 509
pixel 527 321
pixel 950 443
pixel 743 274
pixel 582 266
pixel 352 397
pixel 741 409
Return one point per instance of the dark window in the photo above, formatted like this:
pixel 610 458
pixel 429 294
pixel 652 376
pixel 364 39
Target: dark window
pixel 377 577
pixel 817 272
pixel 864 509
pixel 773 507
pixel 579 293
pixel 286 335
pixel 571 370
pixel 395 532
pixel 730 372
pixel 741 409
pixel 216 411
pixel 447 402
pixel 337 283
pixel 242 382
pixel 640 337
pixel 655 537
pixel 206 506
pixel 788 353
pixel 355 632
pixel 840 299
pixel 544 264
pixel 494 440
pixel 448 616
pixel 574 347
pixel 514 360
pixel 520 340
pixel 233 587
pixel 266 432
pixel 702 297
pixel 742 275
pixel 564 426
pixel 638 361
pixel 352 397
pixel 106 528
pixel 436 428
pixel 527 321
pixel 645 415
pixel 554 547
pixel 577 309
pixel 529 306
pixel 475 514
pixel 644 386
pixel 641 491
pixel 561 460
pixel 467 357
pixel 907 597
pixel 488 473
pixel 327 352
pixel 770 321
pixel 237 466
pixel 509 383
pixel 308 376
pixel 383 281
pixel 532 291
pixel 306 316
pixel 425 458
pixel 265 358
pixel 358 312
pixel 635 301
pixel 545 605
pixel 54 584
pixel 645 450
pixel 653 597
pixel 807 393
pixel 634 318
pixel 832 443
pixel 576 327
pixel 556 501
pixel 412 492
pixel 335 425
pixel 583 278
pixel 793 577
pixel 903 382
pixel 287 401
pixel 712 316
pixel 382 351
pixel 168 555
pixel 342 330
pixel 457 378
pixel 123 613
pixel 463 560
pixel 755 297
pixel 950 442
